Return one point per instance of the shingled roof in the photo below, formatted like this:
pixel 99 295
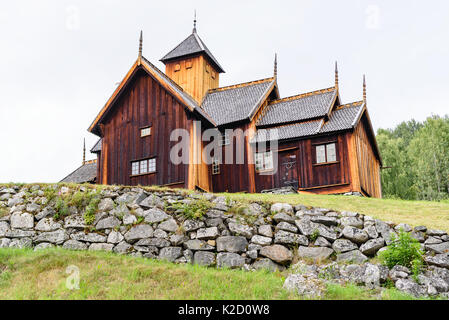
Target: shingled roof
pixel 97 146
pixel 297 108
pixel 297 130
pixel 86 173
pixel 237 102
pixel 345 117
pixel 190 46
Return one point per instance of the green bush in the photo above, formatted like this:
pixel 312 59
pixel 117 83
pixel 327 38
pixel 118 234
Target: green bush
pixel 194 210
pixel 404 250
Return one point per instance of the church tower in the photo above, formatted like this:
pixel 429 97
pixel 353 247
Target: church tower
pixel 192 66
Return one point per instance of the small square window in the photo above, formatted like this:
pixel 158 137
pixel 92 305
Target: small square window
pixel 264 161
pixel 188 64
pixel 144 132
pixel 177 67
pixel 207 68
pixel 213 75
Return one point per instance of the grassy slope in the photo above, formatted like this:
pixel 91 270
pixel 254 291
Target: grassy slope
pixel 26 274
pixel 431 214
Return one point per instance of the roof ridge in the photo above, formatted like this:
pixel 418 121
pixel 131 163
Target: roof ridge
pixel 302 95
pixel 351 104
pixel 239 85
pixel 281 125
pixel 179 44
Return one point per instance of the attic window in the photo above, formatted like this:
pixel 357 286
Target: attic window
pixel 213 74
pixel 207 68
pixel 144 132
pixel 177 67
pixel 188 64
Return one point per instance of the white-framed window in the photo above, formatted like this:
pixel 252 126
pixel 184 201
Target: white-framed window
pixel 152 165
pixel 145 132
pixel 264 161
pixel 326 153
pixel 143 166
pixel 216 166
pixel 135 168
pixel 225 139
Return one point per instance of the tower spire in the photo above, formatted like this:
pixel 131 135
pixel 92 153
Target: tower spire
pixel 84 152
pixel 336 75
pixel 194 22
pixel 275 73
pixel 364 89
pixel 140 43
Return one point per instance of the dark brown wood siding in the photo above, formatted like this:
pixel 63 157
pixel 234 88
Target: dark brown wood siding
pixel 310 174
pixel 233 177
pixel 144 103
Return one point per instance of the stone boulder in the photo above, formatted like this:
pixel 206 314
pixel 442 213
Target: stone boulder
pixel 315 253
pixel 230 260
pixel 233 244
pixel 277 253
pixel 139 232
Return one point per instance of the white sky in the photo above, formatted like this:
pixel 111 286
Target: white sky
pixel 61 60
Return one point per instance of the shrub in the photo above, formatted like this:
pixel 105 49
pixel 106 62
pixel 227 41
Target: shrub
pixel 315 234
pixel 404 250
pixel 91 210
pixel 194 210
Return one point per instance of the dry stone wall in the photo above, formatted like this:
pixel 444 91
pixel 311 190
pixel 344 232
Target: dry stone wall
pixel 211 230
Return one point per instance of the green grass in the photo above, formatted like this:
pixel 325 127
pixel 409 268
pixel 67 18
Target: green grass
pixel 429 213
pixel 27 274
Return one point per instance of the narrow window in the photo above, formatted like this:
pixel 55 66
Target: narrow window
pixel 152 165
pixel 144 166
pixel 216 166
pixel 320 154
pixel 330 152
pixel 135 168
pixel 264 161
pixel 177 67
pixel 144 132
pixel 213 74
pixel 188 64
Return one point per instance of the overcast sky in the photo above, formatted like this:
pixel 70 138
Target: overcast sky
pixel 61 60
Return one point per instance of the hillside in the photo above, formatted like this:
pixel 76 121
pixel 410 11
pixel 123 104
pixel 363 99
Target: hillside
pixel 25 274
pixel 433 214
pixel 314 246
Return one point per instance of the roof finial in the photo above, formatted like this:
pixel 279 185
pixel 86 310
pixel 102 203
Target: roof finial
pixel 194 22
pixel 275 65
pixel 140 43
pixel 336 75
pixel 364 89
pixel 84 152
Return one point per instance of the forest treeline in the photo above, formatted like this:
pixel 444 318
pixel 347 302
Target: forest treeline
pixel 416 159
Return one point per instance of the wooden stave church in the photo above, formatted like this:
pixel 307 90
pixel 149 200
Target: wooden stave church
pixel 189 92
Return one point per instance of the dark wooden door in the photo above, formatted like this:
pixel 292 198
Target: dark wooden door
pixel 287 175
